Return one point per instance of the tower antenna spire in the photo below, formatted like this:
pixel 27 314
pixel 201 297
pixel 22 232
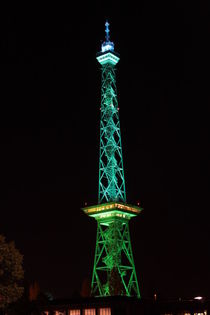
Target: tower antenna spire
pixel 107 31
pixel 107 44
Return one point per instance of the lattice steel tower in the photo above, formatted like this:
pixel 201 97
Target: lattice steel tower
pixel 114 270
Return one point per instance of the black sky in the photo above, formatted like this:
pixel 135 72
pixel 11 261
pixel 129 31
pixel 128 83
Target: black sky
pixel 50 99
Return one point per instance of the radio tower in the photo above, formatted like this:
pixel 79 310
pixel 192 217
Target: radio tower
pixel 114 270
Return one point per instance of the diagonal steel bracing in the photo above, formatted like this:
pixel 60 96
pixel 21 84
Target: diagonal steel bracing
pixel 111 173
pixel 114 270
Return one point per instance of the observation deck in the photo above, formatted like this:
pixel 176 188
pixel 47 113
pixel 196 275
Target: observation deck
pixel 107 53
pixel 112 210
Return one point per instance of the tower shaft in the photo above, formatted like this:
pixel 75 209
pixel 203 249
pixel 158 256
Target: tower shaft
pixel 111 172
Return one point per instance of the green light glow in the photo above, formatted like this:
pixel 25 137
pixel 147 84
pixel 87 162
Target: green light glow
pixel 108 58
pixel 114 270
pixel 111 172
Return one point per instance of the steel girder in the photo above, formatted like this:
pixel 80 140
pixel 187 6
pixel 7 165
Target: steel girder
pixel 114 270
pixel 111 172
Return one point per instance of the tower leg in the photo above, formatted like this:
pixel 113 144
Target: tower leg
pixel 114 270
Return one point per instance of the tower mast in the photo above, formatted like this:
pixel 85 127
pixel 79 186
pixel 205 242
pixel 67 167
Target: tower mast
pixel 114 270
pixel 111 172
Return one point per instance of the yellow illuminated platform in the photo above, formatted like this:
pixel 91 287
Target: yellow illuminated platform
pixel 111 210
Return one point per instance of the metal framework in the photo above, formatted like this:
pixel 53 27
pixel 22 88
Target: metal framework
pixel 111 172
pixel 114 243
pixel 114 270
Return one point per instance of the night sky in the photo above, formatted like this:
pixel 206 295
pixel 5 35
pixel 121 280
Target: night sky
pixel 50 100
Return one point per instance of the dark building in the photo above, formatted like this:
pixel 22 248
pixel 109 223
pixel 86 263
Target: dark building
pixel 120 305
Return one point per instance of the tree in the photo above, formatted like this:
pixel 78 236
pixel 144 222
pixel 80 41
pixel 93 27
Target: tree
pixel 115 283
pixel 11 273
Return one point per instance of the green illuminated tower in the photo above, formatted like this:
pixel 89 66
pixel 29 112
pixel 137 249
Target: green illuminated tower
pixel 114 270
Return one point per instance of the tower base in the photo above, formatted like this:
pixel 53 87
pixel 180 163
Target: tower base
pixel 114 270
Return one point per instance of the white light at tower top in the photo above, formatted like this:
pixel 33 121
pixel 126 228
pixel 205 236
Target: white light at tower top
pixel 107 45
